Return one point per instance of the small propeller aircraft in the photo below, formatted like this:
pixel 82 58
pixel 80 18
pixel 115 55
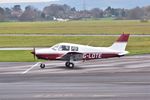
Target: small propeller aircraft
pixel 74 52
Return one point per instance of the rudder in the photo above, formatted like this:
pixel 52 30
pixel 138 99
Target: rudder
pixel 121 43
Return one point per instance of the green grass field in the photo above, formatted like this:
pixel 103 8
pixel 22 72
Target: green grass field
pixel 46 41
pixel 16 56
pixel 136 45
pixel 76 27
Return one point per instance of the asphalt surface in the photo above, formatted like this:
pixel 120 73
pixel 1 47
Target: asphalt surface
pixel 125 78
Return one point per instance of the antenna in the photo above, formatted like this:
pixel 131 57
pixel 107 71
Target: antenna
pixel 89 43
pixel 84 5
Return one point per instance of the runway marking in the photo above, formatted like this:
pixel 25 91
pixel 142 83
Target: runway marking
pixel 71 95
pixel 138 66
pixel 41 70
pixel 98 65
pixel 30 68
pixel 133 82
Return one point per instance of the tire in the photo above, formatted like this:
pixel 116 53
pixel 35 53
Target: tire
pixel 69 65
pixel 42 66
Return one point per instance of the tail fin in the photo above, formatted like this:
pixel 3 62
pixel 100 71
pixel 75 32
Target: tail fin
pixel 121 43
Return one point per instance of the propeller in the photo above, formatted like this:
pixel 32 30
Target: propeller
pixel 34 54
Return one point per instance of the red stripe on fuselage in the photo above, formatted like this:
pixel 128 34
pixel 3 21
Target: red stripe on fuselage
pixel 90 56
pixel 87 56
pixel 109 55
pixel 48 56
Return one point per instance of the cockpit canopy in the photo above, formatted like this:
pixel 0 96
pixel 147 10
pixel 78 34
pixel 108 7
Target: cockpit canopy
pixel 64 47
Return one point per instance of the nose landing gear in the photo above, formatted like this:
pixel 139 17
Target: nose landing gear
pixel 42 66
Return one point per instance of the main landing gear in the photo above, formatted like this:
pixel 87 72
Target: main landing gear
pixel 69 65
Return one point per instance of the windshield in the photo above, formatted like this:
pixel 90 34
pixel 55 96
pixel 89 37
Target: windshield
pixel 55 47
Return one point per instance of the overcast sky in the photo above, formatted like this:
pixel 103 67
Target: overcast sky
pixel 79 4
pixel 24 1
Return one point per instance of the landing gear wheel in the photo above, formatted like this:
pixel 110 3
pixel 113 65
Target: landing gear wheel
pixel 69 65
pixel 42 66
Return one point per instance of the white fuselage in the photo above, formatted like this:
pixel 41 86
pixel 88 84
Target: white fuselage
pixel 88 52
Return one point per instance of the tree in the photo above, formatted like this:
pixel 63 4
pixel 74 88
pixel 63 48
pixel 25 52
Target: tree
pixel 8 13
pixel 108 12
pixel 136 13
pixel 96 13
pixel 58 11
pixel 147 12
pixel 30 14
pixel 16 12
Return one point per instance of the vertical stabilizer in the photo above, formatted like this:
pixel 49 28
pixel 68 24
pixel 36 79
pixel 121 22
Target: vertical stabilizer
pixel 121 43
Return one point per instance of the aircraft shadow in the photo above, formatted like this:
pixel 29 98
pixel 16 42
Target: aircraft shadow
pixel 76 67
pixel 63 67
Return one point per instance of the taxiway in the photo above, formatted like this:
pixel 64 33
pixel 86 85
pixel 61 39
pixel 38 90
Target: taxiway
pixel 125 78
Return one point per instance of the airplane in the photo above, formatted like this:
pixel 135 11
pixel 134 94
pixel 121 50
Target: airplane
pixel 70 52
pixel 60 19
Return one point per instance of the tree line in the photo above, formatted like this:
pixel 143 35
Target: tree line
pixel 52 11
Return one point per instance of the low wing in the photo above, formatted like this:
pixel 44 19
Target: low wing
pixel 73 56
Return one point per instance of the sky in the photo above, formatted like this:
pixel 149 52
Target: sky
pixel 24 1
pixel 79 4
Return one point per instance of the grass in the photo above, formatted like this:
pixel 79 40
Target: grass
pixel 136 45
pixel 139 45
pixel 76 27
pixel 16 56
pixel 46 41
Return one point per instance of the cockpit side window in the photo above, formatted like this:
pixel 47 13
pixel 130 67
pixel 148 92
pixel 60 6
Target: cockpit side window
pixel 74 48
pixel 64 48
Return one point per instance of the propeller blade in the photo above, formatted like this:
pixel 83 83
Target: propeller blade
pixel 33 52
